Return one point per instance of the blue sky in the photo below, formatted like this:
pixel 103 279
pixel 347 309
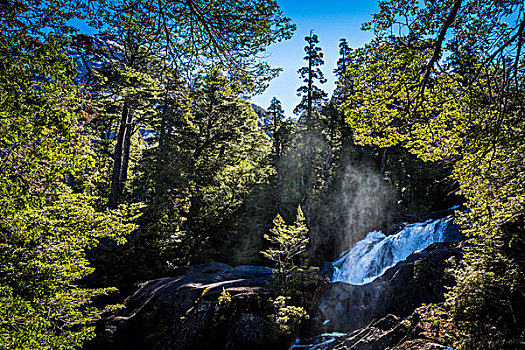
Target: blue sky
pixel 331 20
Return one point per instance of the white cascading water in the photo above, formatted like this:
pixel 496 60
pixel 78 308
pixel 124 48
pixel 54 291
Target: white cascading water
pixel 373 255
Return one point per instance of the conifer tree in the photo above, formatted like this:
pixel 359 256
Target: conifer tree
pixel 312 95
pixel 287 243
pixel 344 83
pixel 338 130
pixel 276 113
pixel 344 59
pixel 309 111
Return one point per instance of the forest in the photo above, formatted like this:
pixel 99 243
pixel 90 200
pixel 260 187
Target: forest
pixel 129 150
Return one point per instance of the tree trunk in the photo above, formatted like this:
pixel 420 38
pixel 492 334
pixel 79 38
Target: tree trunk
pixel 328 161
pixel 125 154
pixel 275 137
pixel 117 157
pixel 309 112
pixel 70 180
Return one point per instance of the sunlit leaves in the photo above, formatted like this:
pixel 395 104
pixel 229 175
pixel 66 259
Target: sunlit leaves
pixel 448 86
pixel 45 228
pixel 287 241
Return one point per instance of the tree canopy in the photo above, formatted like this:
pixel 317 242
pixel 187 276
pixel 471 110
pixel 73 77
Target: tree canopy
pixel 71 103
pixel 128 149
pixel 444 79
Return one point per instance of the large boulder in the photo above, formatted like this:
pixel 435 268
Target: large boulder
pixel 391 332
pixel 419 279
pixel 184 311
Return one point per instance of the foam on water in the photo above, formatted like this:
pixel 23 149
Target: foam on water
pixel 318 342
pixel 373 255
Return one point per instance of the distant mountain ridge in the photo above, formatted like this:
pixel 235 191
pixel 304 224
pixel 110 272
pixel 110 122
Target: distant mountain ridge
pixel 262 115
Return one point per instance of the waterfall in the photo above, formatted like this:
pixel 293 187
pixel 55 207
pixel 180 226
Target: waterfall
pixel 362 264
pixel 373 255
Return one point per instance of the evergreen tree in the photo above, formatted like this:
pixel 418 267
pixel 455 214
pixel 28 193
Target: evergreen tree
pixel 336 130
pixel 312 95
pixel 344 86
pixel 343 62
pixel 276 113
pixel 309 110
pixel 287 243
pixel 293 280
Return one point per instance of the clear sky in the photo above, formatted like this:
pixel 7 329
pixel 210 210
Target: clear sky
pixel 331 20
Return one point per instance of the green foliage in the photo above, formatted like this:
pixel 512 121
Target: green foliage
pixel 467 111
pixel 488 301
pixel 65 138
pixel 226 156
pixel 42 260
pixel 196 176
pixel 225 298
pixel 287 317
pixel 45 227
pixel 287 242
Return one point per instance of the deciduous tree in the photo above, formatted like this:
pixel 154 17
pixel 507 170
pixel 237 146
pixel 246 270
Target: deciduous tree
pixel 445 80
pixel 45 226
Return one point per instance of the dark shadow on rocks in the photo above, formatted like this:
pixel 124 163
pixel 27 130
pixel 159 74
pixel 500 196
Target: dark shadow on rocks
pixel 183 312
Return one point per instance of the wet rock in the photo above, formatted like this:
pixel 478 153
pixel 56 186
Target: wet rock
pixel 380 334
pixel 395 333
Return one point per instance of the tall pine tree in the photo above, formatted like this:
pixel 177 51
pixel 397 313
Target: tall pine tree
pixel 308 109
pixel 276 117
pixel 312 95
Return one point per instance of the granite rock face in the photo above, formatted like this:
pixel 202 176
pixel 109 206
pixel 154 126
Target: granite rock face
pixel 380 334
pixel 184 312
pixel 388 333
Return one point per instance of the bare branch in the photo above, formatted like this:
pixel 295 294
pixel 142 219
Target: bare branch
pixel 439 43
